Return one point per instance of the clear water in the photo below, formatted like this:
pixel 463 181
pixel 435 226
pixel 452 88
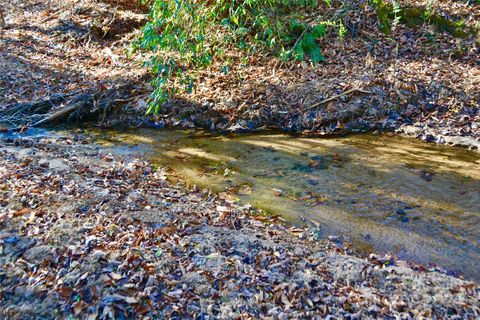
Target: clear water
pixel 382 193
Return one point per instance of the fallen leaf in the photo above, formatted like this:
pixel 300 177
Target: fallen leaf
pixel 21 212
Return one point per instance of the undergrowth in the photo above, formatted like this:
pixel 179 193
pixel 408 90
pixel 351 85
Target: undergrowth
pixel 186 36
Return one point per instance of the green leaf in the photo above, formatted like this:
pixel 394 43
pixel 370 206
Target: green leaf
pixel 316 55
pixel 319 31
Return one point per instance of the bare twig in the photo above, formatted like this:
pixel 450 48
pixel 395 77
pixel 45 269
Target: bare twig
pixel 338 96
pixel 35 107
pixel 78 102
pixel 57 115
pixel 2 20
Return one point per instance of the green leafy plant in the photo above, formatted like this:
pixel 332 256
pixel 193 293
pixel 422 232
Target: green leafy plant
pixel 185 36
pixel 428 13
pixel 397 11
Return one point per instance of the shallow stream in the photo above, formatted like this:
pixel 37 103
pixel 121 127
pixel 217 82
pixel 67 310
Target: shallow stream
pixel 382 193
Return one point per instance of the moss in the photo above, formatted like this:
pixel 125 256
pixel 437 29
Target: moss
pixel 414 16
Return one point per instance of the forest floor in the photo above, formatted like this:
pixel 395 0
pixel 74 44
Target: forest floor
pixel 419 80
pixel 85 234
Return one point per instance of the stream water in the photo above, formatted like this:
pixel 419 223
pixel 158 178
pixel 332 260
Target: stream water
pixel 383 194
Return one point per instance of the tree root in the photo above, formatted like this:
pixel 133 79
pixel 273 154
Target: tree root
pixel 36 107
pixel 82 101
pixel 74 107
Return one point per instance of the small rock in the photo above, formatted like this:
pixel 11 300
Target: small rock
pixel 426 175
pixel 278 192
pixel 334 238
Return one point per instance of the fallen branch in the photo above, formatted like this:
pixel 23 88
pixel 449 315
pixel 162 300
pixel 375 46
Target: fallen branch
pixel 79 102
pixel 2 20
pixel 338 96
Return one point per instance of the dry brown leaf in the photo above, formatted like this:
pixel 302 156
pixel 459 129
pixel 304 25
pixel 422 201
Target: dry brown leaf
pixel 21 212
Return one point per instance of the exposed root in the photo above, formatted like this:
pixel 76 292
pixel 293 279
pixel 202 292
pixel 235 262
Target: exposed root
pixel 39 107
pixel 80 102
pixel 67 108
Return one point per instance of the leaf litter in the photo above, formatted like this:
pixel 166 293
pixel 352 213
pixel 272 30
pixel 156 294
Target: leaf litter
pixel 89 235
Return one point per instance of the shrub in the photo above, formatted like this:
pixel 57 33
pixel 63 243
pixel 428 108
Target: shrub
pixel 186 36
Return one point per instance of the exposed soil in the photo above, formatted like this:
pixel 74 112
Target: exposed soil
pixel 88 235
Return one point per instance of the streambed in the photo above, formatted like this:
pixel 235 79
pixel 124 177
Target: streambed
pixel 381 193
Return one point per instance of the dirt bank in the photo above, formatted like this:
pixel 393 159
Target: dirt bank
pixel 421 79
pixel 85 234
pixel 417 74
